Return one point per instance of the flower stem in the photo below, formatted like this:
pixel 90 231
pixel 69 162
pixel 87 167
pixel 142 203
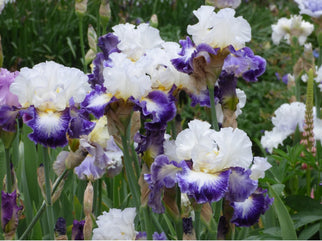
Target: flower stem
pixel 133 183
pixel 42 207
pixel 81 38
pixel 214 121
pixel 147 222
pixel 9 178
pixel 50 211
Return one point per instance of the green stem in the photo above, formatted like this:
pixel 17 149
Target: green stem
pixel 147 222
pixel 133 184
pixel 42 208
pixel 317 97
pixel 99 203
pixel 9 178
pixel 197 222
pixel 81 37
pixel 50 211
pixel 298 89
pixel 214 121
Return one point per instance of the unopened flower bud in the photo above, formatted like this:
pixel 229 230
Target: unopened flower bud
pixel 88 199
pixel 105 12
pixel 88 228
pixel 154 21
pixel 41 180
pixel 80 7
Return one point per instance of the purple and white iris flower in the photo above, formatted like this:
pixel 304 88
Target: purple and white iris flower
pixel 312 8
pixel 207 165
pixel 48 91
pixel 286 119
pixel 132 69
pixel 8 101
pixel 104 156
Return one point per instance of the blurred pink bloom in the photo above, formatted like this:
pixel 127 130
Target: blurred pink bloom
pixel 6 79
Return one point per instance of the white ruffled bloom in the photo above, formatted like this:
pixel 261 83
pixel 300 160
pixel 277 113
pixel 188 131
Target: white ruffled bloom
pixel 259 167
pixel 135 41
pixel 126 78
pixel 312 8
pixel 293 27
pixel 287 118
pixel 115 225
pixel 50 86
pixel 213 151
pixel 221 29
pixel 158 66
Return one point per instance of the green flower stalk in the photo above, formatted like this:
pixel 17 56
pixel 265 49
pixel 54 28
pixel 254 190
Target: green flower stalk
pixel 80 9
pixel 308 136
pixel 1 53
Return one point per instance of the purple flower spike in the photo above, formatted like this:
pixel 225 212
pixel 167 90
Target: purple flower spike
pixel 241 186
pixel 77 230
pixel 49 128
pixel 248 212
pixel 204 187
pixel 157 106
pixel 8 116
pixel 163 174
pixel 188 52
pixel 243 63
pixel 9 211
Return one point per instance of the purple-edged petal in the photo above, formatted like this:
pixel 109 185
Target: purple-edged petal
pixel 9 211
pixel 108 44
pixel 96 101
pixel 8 116
pixel 204 187
pixel 157 106
pixel 243 63
pixel 87 170
pixel 188 52
pixel 163 174
pixel 77 230
pixel 49 128
pixel 248 212
pixel 79 123
pixel 241 186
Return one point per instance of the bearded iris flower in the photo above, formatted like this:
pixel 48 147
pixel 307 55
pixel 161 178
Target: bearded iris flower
pixel 46 93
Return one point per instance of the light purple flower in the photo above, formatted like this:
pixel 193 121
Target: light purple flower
pixel 312 8
pixel 6 79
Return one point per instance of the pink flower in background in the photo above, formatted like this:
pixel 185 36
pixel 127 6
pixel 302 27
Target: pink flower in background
pixel 6 79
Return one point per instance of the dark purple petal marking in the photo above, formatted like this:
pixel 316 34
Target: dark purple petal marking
pixel 8 116
pixel 79 123
pixel 248 212
pixel 203 187
pixel 9 211
pixel 49 128
pixel 241 186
